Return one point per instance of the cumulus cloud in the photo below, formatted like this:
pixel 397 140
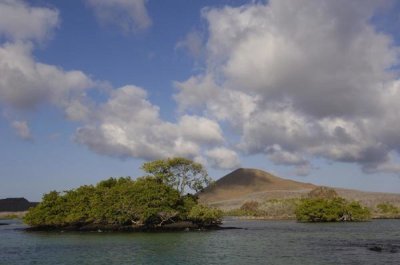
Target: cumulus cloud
pixel 202 92
pixel 129 15
pixel 223 158
pixel 26 83
pixel 22 130
pixel 19 21
pixel 200 129
pixel 128 125
pixel 301 79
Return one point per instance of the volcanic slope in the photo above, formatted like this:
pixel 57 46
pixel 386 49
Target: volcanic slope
pixel 245 184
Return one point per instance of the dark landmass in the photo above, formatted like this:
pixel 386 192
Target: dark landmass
pixel 15 205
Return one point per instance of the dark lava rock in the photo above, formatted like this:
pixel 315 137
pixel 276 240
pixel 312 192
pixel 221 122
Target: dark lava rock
pixel 385 248
pixel 376 248
pixel 179 226
pixel 394 249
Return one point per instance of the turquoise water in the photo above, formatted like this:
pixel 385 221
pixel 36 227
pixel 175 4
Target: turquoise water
pixel 259 242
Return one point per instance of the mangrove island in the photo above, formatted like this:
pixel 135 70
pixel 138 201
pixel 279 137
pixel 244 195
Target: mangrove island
pixel 158 201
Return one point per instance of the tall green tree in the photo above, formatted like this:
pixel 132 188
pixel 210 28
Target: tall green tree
pixel 180 173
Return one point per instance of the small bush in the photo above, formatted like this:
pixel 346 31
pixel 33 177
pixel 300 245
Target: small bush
pixel 204 215
pixel 387 208
pixel 250 206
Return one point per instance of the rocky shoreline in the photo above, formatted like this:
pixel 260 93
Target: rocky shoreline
pixel 179 226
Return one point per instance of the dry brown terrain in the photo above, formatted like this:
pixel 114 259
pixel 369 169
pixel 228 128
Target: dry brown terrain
pixel 242 185
pixel 6 215
pixel 370 199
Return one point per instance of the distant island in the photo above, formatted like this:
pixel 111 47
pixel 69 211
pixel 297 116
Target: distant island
pixel 11 208
pixel 15 205
pixel 155 202
pixel 253 193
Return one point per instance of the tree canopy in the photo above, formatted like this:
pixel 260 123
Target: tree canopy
pixel 180 173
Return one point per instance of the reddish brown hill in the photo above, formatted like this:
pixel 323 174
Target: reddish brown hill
pixel 251 184
pixel 244 184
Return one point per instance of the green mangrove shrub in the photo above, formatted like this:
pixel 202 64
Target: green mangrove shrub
pixel 330 210
pixel 203 215
pixel 387 210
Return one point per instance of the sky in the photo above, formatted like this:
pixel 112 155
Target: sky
pixel 305 89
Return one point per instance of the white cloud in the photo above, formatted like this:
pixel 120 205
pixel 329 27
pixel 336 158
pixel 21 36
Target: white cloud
pixel 224 104
pixel 311 77
pixel 128 125
pixel 22 130
pixel 223 158
pixel 200 129
pixel 129 15
pixel 19 21
pixel 26 83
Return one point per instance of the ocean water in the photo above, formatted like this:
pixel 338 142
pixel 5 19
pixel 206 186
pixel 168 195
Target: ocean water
pixel 259 242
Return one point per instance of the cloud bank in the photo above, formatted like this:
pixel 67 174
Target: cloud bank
pixel 292 80
pixel 299 80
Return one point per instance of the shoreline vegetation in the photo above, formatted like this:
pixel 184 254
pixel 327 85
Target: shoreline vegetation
pixel 156 202
pixel 160 201
pixel 322 204
pixel 12 215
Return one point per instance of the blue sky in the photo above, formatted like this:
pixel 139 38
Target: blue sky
pixel 305 89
